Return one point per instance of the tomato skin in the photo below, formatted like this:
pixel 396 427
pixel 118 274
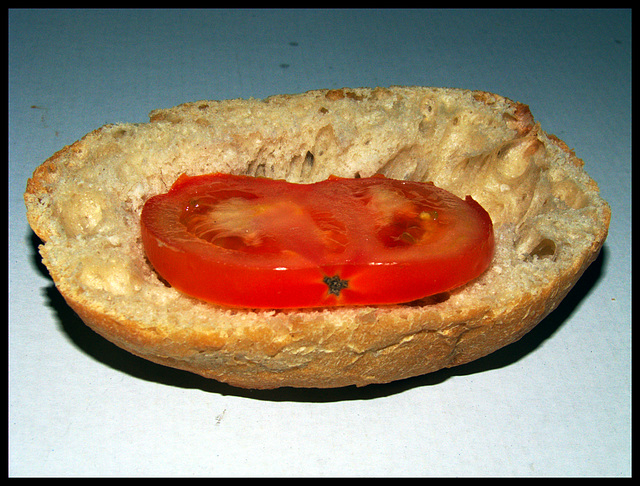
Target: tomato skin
pixel 265 243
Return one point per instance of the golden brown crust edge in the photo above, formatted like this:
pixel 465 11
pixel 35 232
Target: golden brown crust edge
pixel 425 347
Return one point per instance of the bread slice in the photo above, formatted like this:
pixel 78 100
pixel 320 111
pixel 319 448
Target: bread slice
pixel 549 221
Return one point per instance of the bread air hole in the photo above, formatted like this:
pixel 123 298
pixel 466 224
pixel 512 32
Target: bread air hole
pixel 569 192
pixel 546 248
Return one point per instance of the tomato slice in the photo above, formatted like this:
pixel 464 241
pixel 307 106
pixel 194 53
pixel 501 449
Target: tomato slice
pixel 252 242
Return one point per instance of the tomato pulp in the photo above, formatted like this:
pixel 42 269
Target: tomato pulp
pixel 251 242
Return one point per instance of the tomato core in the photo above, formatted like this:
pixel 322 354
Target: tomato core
pixel 250 242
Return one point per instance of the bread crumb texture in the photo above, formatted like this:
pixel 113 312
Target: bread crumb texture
pixel 549 221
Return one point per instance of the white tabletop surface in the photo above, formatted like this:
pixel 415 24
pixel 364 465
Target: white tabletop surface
pixel 557 403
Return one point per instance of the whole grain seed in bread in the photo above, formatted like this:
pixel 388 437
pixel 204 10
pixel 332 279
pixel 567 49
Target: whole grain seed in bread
pixel 549 223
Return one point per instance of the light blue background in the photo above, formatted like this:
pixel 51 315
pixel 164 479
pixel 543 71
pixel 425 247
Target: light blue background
pixel 557 403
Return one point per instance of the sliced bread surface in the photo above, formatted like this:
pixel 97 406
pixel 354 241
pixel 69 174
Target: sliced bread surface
pixel 549 221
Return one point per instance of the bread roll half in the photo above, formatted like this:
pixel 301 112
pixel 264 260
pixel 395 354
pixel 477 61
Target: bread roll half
pixel 549 221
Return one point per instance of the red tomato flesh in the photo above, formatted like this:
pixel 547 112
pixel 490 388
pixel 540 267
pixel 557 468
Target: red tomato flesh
pixel 250 242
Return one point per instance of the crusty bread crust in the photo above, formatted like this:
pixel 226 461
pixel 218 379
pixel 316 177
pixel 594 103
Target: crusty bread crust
pixel 550 224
